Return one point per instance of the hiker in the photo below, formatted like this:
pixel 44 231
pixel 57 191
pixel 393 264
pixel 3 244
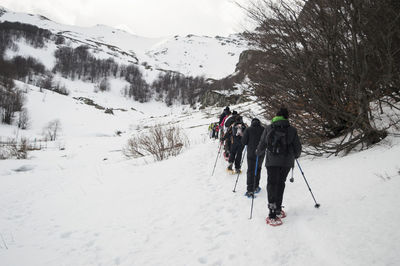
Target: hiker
pixel 223 138
pixel 236 132
pixel 211 130
pixel 224 113
pixel 282 145
pixel 229 120
pixel 215 130
pixel 251 138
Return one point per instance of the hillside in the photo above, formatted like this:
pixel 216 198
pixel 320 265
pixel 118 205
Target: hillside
pixel 81 202
pixel 212 57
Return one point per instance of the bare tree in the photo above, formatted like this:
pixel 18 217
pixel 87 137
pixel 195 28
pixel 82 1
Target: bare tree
pixel 52 130
pixel 11 101
pixel 23 119
pixel 329 61
pixel 104 85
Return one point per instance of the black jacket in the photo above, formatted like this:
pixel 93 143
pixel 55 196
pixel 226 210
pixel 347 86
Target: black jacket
pixel 294 144
pixel 229 122
pixel 222 116
pixel 251 137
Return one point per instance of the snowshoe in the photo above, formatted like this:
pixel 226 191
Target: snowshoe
pixel 249 194
pixel 274 221
pixel 238 171
pixel 232 172
pixel 281 215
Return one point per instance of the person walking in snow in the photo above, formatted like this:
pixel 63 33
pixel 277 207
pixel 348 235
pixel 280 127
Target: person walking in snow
pixel 281 145
pixel 226 112
pixel 251 138
pixel 235 134
pixel 223 138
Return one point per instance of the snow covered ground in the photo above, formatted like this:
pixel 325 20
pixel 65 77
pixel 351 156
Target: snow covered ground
pixel 89 205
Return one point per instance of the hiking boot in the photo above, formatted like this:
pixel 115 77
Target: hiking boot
pixel 230 167
pixel 258 189
pixel 238 171
pixel 249 194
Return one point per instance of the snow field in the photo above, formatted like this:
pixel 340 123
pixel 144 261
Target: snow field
pixel 88 205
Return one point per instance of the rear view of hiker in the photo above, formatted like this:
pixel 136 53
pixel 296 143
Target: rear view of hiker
pixel 226 136
pixel 282 145
pixel 226 112
pixel 251 138
pixel 215 130
pixel 236 132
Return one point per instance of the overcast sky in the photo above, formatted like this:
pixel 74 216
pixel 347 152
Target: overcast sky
pixel 150 18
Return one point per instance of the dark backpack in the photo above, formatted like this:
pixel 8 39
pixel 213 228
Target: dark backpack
pixel 238 129
pixel 277 140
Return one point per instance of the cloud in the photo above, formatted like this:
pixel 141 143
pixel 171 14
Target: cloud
pixel 151 18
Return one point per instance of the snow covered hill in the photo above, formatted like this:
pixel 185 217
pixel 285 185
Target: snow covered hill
pixel 212 57
pixel 81 202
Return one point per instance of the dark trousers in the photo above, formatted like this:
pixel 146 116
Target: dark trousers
pixel 227 146
pixel 253 182
pixel 236 153
pixel 276 186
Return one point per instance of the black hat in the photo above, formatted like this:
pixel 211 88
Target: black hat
pixel 234 113
pixel 227 108
pixel 255 121
pixel 283 112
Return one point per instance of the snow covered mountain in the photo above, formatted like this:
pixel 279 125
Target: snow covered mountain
pixel 212 57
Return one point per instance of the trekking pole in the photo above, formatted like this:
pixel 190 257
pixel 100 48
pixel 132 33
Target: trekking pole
pixel 254 184
pixel 237 178
pixel 219 150
pixel 301 170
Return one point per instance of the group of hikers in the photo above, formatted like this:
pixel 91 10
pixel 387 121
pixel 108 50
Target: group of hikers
pixel 277 143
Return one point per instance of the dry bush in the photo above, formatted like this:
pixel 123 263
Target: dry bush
pixel 11 149
pixel 160 142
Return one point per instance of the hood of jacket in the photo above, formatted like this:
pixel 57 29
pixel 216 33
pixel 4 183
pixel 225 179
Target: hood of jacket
pixel 255 122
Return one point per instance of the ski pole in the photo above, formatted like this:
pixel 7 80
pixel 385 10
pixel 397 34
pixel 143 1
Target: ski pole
pixel 219 150
pixel 301 170
pixel 237 178
pixel 254 185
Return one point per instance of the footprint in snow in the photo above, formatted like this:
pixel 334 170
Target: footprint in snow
pixel 66 235
pixel 24 168
pixel 203 260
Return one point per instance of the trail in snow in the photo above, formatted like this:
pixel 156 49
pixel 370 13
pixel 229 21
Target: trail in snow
pixel 93 212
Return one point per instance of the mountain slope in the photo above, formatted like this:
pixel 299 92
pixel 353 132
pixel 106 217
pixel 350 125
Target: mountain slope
pixel 190 55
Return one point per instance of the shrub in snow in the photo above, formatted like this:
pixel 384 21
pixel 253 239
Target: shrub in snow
pixel 160 142
pixel 11 149
pixel 61 89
